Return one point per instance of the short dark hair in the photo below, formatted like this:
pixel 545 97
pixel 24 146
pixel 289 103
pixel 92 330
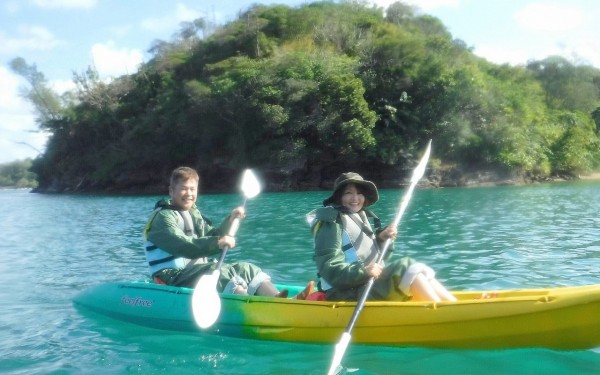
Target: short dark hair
pixel 183 174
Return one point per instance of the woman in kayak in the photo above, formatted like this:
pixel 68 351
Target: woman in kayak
pixel 347 246
pixel 179 241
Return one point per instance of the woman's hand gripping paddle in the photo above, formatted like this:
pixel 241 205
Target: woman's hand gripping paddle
pixel 342 345
pixel 206 304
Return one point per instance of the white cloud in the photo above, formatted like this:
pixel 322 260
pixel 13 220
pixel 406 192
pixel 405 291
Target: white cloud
pixel 10 101
pixel 588 51
pixel 65 3
pixel 120 31
pixel 550 18
pixel 582 52
pixel 11 7
pixel 111 61
pixel 21 145
pixel 170 22
pixel 32 38
pixel 19 138
pixel 502 55
pixel 62 86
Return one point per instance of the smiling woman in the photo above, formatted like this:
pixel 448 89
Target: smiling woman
pixel 347 249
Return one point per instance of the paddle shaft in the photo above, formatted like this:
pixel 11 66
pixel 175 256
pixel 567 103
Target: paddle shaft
pixel 345 340
pixel 235 224
pixel 363 298
pixel 206 303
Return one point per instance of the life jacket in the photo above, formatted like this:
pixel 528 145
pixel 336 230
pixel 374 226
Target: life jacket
pixel 359 242
pixel 159 259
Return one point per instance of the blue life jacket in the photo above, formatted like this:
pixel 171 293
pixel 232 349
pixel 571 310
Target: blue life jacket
pixel 159 259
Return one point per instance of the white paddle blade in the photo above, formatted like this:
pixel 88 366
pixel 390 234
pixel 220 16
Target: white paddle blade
pixel 250 185
pixel 206 304
pixel 420 169
pixel 340 349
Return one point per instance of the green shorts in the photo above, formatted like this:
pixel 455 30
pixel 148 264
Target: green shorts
pixel 189 276
pixel 385 288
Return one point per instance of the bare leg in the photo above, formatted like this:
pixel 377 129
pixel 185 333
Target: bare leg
pixel 240 290
pixel 422 290
pixel 268 289
pixel 441 291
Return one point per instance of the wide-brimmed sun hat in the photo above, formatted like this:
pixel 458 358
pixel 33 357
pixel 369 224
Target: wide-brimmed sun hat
pixel 368 188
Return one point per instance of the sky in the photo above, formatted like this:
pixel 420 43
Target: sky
pixel 65 36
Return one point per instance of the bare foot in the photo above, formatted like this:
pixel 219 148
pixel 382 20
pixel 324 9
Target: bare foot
pixel 310 288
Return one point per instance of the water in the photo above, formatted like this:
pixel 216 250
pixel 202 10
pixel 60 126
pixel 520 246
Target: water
pixel 483 238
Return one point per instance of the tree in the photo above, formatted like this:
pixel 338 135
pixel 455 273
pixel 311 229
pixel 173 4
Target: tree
pixel 46 102
pixel 570 87
pixel 577 149
pixel 309 90
pixel 16 174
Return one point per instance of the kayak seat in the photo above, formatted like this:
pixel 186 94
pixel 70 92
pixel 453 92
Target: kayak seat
pixel 316 296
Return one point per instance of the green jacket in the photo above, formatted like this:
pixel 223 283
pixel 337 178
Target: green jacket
pixel 346 278
pixel 163 230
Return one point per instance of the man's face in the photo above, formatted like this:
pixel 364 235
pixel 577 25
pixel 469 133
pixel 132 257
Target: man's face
pixel 184 194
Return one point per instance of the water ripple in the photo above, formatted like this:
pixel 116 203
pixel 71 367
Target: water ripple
pixel 494 238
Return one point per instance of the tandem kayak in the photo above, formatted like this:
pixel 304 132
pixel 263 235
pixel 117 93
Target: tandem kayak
pixel 558 318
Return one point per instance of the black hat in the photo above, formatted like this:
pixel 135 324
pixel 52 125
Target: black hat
pixel 369 188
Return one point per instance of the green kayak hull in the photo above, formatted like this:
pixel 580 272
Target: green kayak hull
pixel 558 318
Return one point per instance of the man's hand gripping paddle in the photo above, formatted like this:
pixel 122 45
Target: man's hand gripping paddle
pixel 342 345
pixel 206 304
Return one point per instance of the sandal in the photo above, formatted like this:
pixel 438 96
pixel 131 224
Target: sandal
pixel 310 288
pixel 282 294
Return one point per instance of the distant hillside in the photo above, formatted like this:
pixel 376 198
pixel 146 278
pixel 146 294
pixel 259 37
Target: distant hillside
pixel 17 174
pixel 303 93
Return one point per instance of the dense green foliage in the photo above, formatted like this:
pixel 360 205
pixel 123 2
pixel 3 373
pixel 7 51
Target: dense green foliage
pixel 17 175
pixel 314 88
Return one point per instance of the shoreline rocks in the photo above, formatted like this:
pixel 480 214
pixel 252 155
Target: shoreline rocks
pixel 317 179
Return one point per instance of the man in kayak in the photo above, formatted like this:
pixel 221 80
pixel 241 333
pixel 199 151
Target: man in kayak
pixel 179 241
pixel 346 249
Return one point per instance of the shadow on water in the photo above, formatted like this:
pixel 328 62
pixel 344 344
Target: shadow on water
pixel 125 348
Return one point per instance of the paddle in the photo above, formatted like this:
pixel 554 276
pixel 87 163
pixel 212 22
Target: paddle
pixel 342 345
pixel 206 304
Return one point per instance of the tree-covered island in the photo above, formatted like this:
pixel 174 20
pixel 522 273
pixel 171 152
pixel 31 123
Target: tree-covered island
pixel 302 93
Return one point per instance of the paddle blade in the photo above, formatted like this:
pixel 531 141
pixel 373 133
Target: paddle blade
pixel 420 169
pixel 206 304
pixel 250 185
pixel 340 350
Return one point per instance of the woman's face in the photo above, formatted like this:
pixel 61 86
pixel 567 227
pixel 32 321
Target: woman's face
pixel 352 198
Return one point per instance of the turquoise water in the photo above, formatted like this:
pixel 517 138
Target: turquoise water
pixel 483 238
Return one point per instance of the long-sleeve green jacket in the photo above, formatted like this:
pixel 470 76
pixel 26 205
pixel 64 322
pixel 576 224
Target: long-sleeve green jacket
pixel 347 279
pixel 164 231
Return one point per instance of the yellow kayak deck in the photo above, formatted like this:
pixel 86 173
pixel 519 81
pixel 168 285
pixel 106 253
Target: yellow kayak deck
pixel 560 318
pixel 557 318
